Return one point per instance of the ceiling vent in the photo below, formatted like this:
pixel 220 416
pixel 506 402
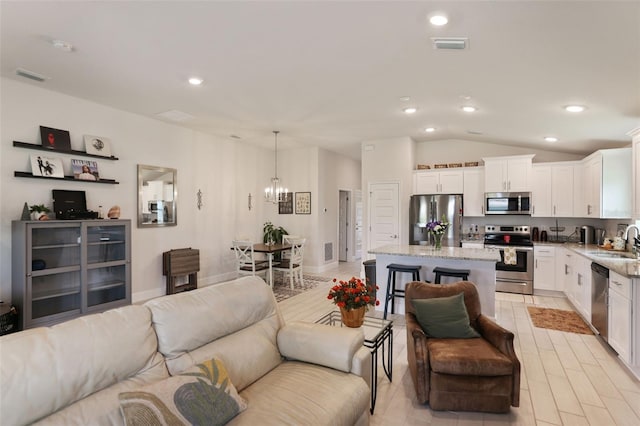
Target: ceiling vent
pixel 450 43
pixel 31 75
pixel 175 115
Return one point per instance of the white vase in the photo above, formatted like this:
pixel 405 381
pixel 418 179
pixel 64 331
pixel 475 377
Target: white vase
pixel 36 215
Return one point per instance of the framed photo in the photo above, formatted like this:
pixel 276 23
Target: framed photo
pixel 85 170
pixel 46 166
pixel 286 206
pixel 97 145
pixel 55 139
pixel 303 203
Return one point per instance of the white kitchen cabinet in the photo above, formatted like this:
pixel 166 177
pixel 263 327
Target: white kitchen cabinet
pixel 608 184
pixel 473 192
pixel 620 315
pixel 438 182
pixel 507 174
pixel 541 190
pixel 544 269
pixel 568 265
pixel 635 135
pixel 582 286
pixel 552 189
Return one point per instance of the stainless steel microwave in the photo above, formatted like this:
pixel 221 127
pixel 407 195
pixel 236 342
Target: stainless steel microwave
pixel 507 203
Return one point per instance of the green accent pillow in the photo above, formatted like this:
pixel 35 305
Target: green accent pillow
pixel 444 317
pixel 202 395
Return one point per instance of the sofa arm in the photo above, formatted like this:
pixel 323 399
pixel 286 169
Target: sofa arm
pixel 321 344
pixel 502 339
pixel 418 357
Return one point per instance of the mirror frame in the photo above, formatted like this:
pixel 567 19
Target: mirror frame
pixel 142 177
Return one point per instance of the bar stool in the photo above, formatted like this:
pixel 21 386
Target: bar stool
pixel 392 291
pixel 463 274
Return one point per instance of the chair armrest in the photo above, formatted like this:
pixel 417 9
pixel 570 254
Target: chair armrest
pixel 321 344
pixel 418 357
pixel 502 339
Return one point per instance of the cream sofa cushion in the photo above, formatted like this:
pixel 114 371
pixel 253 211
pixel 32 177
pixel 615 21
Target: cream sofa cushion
pixel 298 393
pixel 45 369
pixel 236 321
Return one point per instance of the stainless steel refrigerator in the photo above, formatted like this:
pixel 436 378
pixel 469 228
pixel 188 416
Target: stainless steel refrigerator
pixel 428 208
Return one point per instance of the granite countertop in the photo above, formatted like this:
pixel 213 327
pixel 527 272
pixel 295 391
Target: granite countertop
pixel 628 266
pixel 459 253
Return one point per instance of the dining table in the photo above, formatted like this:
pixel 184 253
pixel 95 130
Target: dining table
pixel 270 250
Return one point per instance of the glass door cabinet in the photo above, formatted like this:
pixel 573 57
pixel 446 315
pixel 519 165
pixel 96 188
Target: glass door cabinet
pixel 65 269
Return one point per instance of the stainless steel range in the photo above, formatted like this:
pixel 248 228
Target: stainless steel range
pixel 514 274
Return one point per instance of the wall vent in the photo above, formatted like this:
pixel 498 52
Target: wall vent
pixel 328 251
pixel 450 43
pixel 31 75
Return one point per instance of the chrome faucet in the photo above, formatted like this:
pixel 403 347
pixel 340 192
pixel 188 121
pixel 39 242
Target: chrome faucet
pixel 636 241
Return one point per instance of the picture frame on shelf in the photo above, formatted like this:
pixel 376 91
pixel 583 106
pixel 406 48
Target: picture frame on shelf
pixel 303 202
pixel 85 170
pixel 286 206
pixel 97 145
pixel 42 165
pixel 55 139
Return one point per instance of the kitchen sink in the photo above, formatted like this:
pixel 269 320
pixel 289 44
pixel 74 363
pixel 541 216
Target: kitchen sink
pixel 611 254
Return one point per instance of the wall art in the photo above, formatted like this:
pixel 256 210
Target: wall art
pixel 303 202
pixel 55 139
pixel 46 166
pixel 97 145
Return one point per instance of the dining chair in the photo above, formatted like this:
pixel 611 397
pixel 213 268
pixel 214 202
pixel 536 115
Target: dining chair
pixel 246 262
pixel 292 264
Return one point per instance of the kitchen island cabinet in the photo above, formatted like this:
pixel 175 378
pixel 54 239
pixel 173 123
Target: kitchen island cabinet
pixel 480 261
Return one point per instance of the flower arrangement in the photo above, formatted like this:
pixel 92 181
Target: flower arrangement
pixel 352 294
pixel 438 227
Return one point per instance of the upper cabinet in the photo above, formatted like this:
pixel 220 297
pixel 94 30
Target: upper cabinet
pixel 473 193
pixel 635 135
pixel 552 189
pixel 607 178
pixel 507 174
pixel 438 182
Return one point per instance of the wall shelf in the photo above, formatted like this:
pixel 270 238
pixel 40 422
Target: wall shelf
pixel 66 178
pixel 70 152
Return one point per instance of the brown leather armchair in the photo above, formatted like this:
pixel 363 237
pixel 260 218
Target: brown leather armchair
pixel 477 374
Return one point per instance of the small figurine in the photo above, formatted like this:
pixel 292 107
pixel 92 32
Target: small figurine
pixel 114 212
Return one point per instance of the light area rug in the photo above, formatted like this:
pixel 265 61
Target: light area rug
pixel 282 287
pixel 558 319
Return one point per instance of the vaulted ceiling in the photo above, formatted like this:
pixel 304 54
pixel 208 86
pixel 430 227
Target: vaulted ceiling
pixel 334 74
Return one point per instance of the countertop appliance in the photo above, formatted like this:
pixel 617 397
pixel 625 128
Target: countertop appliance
pixel 600 299
pixel 428 208
pixel 515 276
pixel 587 235
pixel 507 203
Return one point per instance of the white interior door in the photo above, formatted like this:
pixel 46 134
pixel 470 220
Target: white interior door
pixel 357 239
pixel 384 214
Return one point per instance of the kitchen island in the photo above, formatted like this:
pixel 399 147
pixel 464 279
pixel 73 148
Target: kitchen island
pixel 480 262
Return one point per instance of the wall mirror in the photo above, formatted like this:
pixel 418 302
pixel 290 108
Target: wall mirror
pixel 157 196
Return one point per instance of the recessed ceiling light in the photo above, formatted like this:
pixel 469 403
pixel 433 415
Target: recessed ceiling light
pixel 410 110
pixel 62 45
pixel 438 20
pixel 551 139
pixel 195 81
pixel 575 108
pixel 405 98
pixel 430 129
pixel 469 108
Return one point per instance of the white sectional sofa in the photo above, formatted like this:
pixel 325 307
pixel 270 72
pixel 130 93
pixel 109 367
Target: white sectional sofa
pixel 298 373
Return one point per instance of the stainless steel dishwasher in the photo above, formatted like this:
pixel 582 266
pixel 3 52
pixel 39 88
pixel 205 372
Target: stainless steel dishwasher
pixel 600 299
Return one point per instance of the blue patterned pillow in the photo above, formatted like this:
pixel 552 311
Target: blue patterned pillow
pixel 202 395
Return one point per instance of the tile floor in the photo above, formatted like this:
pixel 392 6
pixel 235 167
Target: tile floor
pixel 566 378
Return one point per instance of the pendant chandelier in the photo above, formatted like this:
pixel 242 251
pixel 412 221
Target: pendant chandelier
pixel 275 193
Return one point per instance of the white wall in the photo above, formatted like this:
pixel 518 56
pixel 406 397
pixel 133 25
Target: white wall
pixel 225 171
pixel 461 151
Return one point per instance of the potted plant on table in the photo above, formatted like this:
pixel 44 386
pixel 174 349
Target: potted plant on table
pixel 353 298
pixel 39 212
pixel 272 235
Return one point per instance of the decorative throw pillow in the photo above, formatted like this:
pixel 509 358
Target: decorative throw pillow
pixel 444 317
pixel 202 395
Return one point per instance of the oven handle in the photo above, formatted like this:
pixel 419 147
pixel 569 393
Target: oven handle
pixel 518 248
